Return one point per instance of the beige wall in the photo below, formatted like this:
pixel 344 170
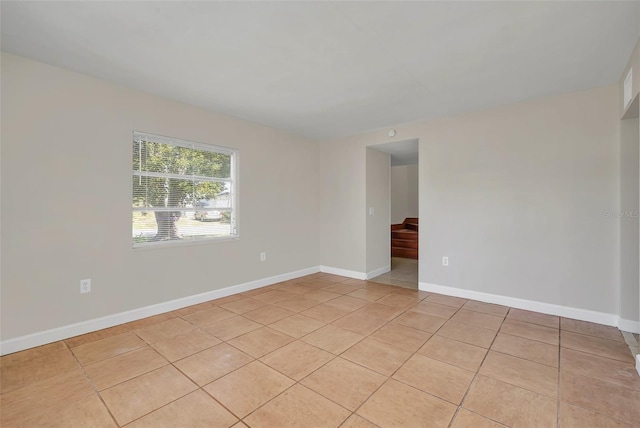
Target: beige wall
pixel 629 222
pixel 404 192
pixel 66 200
pixel 378 198
pixel 516 198
pixel 342 229
pixel 630 195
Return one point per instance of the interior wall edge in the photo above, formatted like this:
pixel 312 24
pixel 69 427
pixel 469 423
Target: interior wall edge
pixel 379 271
pixel 343 272
pixel 628 325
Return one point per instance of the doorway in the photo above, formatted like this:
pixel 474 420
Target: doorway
pixel 403 228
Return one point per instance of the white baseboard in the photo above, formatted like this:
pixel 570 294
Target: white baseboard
pixel 343 272
pixel 628 325
pixel 529 305
pixel 354 274
pixel 379 271
pixel 41 338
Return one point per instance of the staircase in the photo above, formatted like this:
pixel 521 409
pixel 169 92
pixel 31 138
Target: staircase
pixel 404 239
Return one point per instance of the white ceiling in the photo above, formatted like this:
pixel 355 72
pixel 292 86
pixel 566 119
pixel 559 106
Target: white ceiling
pixel 327 69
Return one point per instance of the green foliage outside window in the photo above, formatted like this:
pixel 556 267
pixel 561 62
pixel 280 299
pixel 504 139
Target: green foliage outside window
pixel 167 178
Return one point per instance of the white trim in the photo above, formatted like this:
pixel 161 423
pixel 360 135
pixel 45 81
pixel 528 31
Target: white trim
pixel 354 274
pixel 41 338
pixel 638 363
pixel 343 272
pixel 629 325
pixel 529 305
pixel 627 89
pixel 179 142
pixel 377 272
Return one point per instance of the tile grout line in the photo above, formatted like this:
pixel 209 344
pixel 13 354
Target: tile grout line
pixel 180 371
pixel 390 377
pixel 84 372
pixel 296 382
pixel 477 372
pixel 605 381
pixel 404 310
pixel 335 356
pixel 258 360
pixel 459 406
pixel 512 384
pixel 169 363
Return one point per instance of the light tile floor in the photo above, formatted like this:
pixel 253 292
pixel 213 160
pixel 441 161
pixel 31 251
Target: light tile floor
pixel 403 273
pixel 327 351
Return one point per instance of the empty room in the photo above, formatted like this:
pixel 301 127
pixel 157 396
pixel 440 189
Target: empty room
pixel 319 214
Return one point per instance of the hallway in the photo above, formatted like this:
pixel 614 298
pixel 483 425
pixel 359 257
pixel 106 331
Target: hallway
pixel 404 273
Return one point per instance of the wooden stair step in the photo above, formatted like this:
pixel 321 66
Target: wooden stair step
pixel 405 234
pixel 404 243
pixel 407 253
pixel 404 238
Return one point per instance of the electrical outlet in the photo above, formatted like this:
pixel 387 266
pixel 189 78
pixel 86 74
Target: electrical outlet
pixel 445 261
pixel 263 256
pixel 85 286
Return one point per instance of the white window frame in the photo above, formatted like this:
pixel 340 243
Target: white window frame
pixel 232 180
pixel 627 89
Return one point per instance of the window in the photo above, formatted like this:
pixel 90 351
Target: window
pixel 182 191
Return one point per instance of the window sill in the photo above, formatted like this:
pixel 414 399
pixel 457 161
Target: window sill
pixel 183 243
